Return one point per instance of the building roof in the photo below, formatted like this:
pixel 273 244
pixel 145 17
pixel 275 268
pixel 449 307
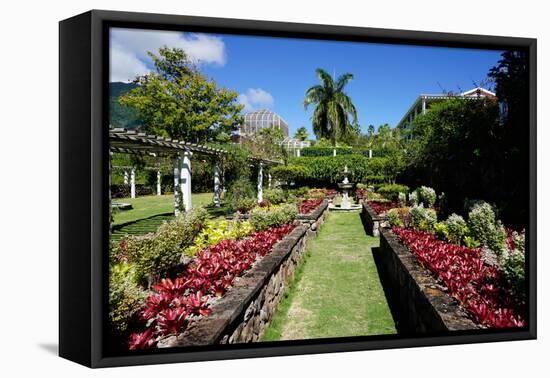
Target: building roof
pixel 472 93
pixel 263 115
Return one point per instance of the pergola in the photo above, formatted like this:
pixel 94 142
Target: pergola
pixel 142 144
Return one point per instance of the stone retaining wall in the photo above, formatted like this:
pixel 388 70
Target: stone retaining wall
pixel 314 219
pixel 371 221
pixel 243 314
pixel 419 303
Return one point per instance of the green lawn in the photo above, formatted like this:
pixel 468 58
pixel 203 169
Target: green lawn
pixel 148 206
pixel 336 291
pixel 149 212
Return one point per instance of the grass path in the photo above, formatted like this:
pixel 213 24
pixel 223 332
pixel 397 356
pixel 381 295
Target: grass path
pixel 336 292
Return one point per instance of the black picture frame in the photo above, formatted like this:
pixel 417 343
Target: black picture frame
pixel 83 182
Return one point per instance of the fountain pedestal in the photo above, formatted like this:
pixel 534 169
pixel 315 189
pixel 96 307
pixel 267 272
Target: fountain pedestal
pixel 345 187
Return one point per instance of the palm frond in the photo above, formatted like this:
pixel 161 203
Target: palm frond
pixel 342 81
pixel 347 105
pixel 325 79
pixel 314 95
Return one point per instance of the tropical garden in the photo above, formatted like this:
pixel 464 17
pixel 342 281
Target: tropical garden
pixel 452 189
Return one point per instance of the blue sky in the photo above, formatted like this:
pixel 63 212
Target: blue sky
pixel 274 73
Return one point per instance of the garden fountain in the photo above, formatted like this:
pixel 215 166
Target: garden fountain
pixel 345 186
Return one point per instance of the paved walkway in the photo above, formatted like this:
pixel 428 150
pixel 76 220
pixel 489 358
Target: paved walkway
pixel 336 292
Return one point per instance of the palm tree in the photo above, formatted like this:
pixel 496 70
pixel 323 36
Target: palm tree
pixel 301 134
pixel 332 106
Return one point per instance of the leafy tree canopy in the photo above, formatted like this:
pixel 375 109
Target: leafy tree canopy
pixel 177 101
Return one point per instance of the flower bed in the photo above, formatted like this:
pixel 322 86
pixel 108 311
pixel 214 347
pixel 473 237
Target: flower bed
pixel 176 304
pixel 478 287
pixel 371 220
pixel 381 207
pixel 308 205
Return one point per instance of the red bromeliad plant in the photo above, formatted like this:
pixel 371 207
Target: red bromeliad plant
pixel 307 206
pixel 478 287
pixel 170 309
pixel 381 207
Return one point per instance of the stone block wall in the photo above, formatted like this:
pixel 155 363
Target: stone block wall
pixel 371 221
pixel 315 219
pixel 420 305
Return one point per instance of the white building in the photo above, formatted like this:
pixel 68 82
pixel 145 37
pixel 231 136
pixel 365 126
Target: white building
pixel 423 102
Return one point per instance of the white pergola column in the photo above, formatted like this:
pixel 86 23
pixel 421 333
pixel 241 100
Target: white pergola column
pixel 125 177
pixel 269 180
pixel 260 183
pixel 334 152
pixel 424 106
pixel 185 180
pixel 177 163
pixel 159 190
pixel 133 182
pixel 370 154
pixel 217 184
pixel 298 152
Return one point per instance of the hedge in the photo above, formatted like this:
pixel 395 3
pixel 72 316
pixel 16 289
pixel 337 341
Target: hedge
pixel 329 169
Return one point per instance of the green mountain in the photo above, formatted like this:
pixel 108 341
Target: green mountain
pixel 121 116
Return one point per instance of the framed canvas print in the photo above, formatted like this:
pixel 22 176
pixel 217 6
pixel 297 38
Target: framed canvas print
pixel 234 188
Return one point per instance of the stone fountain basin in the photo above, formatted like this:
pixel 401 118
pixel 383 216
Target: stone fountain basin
pixel 341 185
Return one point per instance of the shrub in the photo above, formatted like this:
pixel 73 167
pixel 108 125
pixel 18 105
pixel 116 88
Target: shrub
pixel 413 198
pixel 216 231
pixel 391 191
pixel 244 205
pixel 239 191
pixel 289 173
pixel 441 230
pixel 513 263
pixel 457 228
pixel 275 216
pixel 422 218
pixel 399 217
pixel 316 193
pixel 300 192
pixel 275 196
pixel 426 195
pixel 156 253
pixel 401 199
pixel 485 228
pixel 125 295
pixel 470 242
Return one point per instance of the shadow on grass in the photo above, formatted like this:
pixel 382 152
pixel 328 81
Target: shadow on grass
pixel 392 297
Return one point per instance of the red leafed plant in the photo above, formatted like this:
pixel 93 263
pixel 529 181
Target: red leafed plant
pixel 478 287
pixel 308 205
pixel 171 308
pixel 381 207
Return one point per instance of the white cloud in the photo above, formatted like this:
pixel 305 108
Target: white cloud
pixel 129 49
pixel 255 98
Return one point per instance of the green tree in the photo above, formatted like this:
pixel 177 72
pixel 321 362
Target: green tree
pixel 370 130
pixel 266 144
pixel 333 107
pixel 456 149
pixel 301 134
pixel 175 100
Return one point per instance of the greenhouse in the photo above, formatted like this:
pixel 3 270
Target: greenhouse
pixel 255 121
